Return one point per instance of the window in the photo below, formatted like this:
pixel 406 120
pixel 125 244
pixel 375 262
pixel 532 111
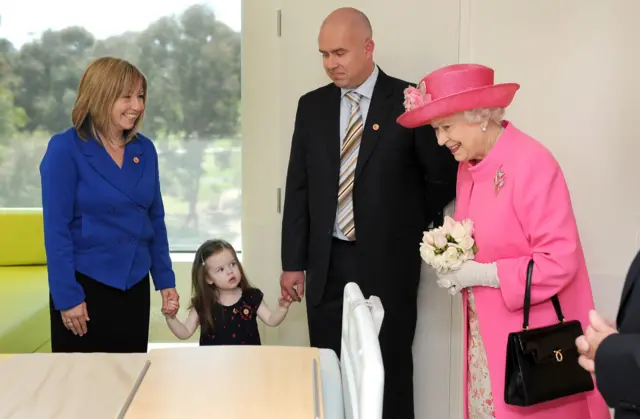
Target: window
pixel 190 52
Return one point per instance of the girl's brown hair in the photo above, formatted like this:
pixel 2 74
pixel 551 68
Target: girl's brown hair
pixel 205 296
pixel 103 82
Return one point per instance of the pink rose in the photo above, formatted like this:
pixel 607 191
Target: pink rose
pixel 414 98
pixel 440 240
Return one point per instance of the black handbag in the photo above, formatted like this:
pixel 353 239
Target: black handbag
pixel 542 363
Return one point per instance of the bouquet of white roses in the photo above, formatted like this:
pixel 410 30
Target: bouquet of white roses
pixel 447 247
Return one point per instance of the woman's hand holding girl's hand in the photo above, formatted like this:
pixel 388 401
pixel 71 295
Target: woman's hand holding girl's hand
pixel 172 307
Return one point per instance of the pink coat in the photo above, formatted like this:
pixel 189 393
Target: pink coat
pixel 531 215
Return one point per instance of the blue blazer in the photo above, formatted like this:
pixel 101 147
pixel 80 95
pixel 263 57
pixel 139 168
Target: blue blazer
pixel 101 220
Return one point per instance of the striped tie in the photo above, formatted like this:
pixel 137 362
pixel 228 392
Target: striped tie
pixel 348 160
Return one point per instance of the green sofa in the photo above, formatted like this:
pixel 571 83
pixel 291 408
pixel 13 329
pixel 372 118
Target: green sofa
pixel 24 291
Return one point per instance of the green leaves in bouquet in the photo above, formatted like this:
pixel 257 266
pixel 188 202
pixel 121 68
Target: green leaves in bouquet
pixel 451 240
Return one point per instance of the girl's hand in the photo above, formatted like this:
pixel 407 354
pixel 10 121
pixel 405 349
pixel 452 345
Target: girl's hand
pixel 172 307
pixel 170 294
pixel 285 302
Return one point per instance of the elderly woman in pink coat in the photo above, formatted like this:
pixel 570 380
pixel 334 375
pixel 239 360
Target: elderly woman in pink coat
pixel 514 191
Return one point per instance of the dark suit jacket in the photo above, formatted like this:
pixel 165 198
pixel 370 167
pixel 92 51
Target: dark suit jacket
pixel 618 357
pixel 403 180
pixel 101 220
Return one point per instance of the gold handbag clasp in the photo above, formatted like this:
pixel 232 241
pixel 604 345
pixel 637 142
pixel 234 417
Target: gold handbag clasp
pixel 558 354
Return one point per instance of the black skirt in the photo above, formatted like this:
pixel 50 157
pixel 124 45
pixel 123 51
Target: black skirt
pixel 119 320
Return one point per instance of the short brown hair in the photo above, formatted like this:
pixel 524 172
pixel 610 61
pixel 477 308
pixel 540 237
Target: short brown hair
pixel 104 81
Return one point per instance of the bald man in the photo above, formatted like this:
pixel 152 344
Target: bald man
pixel 360 191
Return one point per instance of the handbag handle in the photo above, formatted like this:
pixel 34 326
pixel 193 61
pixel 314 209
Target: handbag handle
pixel 527 300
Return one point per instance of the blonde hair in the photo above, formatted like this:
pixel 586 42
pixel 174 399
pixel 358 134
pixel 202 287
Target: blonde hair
pixel 103 82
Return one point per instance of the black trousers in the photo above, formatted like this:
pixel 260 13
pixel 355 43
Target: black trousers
pixel 396 334
pixel 119 320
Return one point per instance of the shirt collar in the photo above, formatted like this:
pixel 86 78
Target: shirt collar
pixel 366 88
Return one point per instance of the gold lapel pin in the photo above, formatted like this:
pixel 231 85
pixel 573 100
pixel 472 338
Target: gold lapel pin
pixel 376 127
pixel 136 160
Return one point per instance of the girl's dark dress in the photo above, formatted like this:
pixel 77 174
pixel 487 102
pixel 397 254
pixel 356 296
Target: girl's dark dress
pixel 236 324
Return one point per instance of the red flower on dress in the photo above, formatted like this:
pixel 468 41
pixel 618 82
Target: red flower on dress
pixel 245 312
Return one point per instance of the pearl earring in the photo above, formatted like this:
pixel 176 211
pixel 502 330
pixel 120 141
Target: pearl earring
pixel 484 129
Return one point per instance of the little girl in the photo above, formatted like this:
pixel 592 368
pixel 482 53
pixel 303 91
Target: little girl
pixel 223 303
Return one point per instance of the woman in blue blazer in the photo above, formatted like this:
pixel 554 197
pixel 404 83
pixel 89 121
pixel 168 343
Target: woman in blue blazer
pixel 104 224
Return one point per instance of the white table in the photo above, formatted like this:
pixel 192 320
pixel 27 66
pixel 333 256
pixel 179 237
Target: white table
pixel 67 386
pixel 267 382
pixel 261 381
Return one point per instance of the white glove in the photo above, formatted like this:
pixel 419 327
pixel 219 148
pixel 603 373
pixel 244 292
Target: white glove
pixel 470 274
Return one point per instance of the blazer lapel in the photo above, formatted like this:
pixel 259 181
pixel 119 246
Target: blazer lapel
pixel 632 276
pixel 377 119
pixel 330 112
pixel 124 179
pixel 132 170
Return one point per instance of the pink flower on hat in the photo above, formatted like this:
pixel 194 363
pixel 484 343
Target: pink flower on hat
pixel 422 87
pixel 414 98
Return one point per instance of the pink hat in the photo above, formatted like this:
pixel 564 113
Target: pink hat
pixel 452 89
